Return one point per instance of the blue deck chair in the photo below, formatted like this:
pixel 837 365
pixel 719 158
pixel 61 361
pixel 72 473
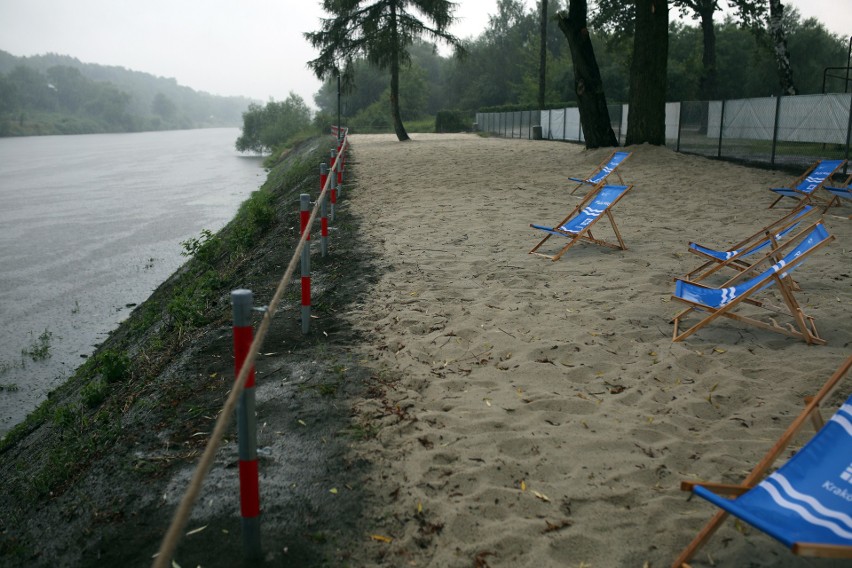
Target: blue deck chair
pixel 807 503
pixel 722 301
pixel 577 226
pixel 741 256
pixel 603 171
pixel 805 187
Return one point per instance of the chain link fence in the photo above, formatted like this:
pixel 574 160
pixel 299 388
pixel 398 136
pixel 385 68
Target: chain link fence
pixel 778 131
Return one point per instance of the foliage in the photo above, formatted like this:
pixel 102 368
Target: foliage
pixel 381 32
pixel 39 350
pixel 500 71
pixel 55 94
pixel 453 121
pixel 272 125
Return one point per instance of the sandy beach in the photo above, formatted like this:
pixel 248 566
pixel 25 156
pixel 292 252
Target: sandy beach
pixel 540 413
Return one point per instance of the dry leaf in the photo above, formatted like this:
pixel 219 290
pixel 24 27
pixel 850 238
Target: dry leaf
pixel 302 422
pixel 419 507
pixel 523 485
pixel 198 530
pixel 487 401
pixel 381 538
pixel 333 490
pixel 541 496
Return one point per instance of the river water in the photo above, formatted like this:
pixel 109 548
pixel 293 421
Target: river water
pixel 89 227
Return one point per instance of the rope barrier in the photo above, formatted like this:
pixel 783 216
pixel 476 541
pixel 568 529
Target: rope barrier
pixel 170 541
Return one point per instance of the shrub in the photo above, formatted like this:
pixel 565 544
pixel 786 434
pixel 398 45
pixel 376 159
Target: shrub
pixel 453 121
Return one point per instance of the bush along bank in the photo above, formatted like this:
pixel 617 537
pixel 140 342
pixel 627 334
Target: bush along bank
pixel 88 477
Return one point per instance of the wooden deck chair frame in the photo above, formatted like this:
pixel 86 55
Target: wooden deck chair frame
pixel 586 234
pixel 745 248
pixel 810 413
pixel 585 182
pixel 805 325
pixel 844 191
pixel 809 197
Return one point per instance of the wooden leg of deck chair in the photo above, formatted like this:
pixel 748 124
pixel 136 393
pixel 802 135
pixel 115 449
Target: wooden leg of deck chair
pixel 808 332
pixel 780 197
pixel 700 539
pixel 615 228
pixel 541 242
pixel 570 244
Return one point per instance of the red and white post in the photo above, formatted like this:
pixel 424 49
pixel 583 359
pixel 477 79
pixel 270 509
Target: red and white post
pixel 323 213
pixel 304 216
pixel 241 302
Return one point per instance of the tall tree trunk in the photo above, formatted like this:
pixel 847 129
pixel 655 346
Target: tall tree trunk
pixel 708 84
pixel 646 116
pixel 588 85
pixel 542 60
pixel 401 134
pixel 779 47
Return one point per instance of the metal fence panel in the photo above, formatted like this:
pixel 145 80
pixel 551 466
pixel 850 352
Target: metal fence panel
pixel 792 131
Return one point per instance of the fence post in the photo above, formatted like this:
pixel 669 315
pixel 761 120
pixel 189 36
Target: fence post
pixel 332 191
pixel 564 124
pixel 775 130
pixel 324 227
pixel 304 215
pixel 323 176
pixel 241 301
pixel 848 130
pixel 721 129
pixel 679 125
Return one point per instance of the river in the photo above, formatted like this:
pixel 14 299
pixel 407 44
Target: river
pixel 89 226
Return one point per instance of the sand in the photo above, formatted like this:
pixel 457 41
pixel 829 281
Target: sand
pixel 538 412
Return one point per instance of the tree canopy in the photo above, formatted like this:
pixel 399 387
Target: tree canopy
pixel 502 64
pixel 381 32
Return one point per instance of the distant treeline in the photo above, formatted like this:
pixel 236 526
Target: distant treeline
pixel 57 94
pixel 501 68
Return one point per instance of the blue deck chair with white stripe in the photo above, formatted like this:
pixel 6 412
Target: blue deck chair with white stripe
pixel 603 171
pixel 805 187
pixel 577 226
pixel 723 301
pixel 806 504
pixel 744 255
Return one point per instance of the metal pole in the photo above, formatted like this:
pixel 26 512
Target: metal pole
pixel 775 130
pixel 721 128
pixel 304 215
pixel 848 136
pixel 241 301
pixel 338 106
pixel 679 125
pixel 333 195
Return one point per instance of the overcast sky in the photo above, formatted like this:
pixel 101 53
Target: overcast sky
pixel 253 48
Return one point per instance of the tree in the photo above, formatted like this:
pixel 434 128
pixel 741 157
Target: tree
pixel 382 31
pixel 613 16
pixel 779 44
pixel 588 86
pixel 542 60
pixel 274 124
pixel 646 115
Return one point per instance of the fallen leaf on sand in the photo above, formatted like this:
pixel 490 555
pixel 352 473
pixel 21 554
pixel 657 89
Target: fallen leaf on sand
pixel 381 538
pixel 541 496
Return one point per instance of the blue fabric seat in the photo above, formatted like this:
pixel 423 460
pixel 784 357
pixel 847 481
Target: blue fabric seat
pixel 806 504
pixel 722 301
pixel 578 224
pixel 805 187
pixel 603 171
pixel 741 256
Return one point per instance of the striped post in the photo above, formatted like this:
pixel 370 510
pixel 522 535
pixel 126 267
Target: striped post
pixel 323 175
pixel 323 212
pixel 241 301
pixel 333 195
pixel 304 215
